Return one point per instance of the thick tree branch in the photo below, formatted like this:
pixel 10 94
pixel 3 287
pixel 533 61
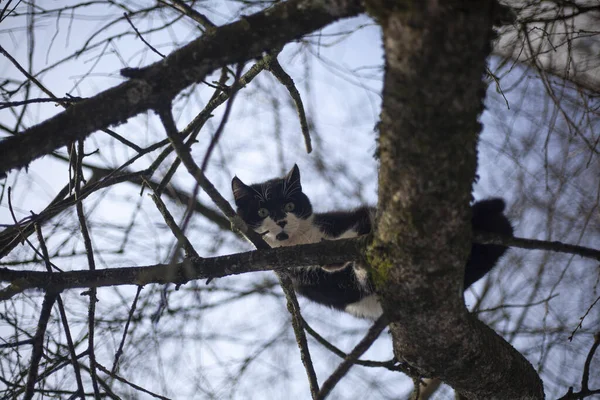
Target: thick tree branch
pixel 216 267
pixel 433 94
pixel 327 252
pixel 236 42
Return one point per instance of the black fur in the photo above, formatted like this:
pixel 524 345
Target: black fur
pixel 342 285
pixel 272 195
pixel 336 223
pixel 486 216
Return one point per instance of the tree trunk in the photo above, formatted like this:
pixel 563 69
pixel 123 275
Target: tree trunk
pixel 433 95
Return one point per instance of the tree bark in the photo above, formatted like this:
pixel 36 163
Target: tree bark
pixel 433 94
pixel 325 252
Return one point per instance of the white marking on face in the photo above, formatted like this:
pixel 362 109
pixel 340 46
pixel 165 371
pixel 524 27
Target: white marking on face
pixel 367 307
pixel 299 231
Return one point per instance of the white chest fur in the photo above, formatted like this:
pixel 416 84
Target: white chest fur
pixel 303 232
pixel 368 307
pixel 300 231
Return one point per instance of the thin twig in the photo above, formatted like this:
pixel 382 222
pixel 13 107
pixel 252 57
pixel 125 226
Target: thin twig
pixel 30 77
pixel 125 381
pixel 9 104
pixel 182 240
pixel 297 323
pixel 91 264
pixel 11 236
pixel 193 14
pixel 119 352
pixel 580 325
pixel 287 81
pixel 392 364
pixel 504 306
pixel 586 367
pixel 585 390
pixel 141 37
pixel 193 129
pixel 59 364
pixel 108 390
pixel 63 316
pixel 22 235
pixel 121 139
pixel 38 343
pixel 16 344
pixel 219 131
pixel 350 360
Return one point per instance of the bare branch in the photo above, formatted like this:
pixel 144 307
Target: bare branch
pixel 63 316
pixel 182 240
pixel 141 37
pixel 193 14
pixel 119 352
pixel 77 156
pixel 245 39
pixel 287 81
pixel 351 358
pixel 327 252
pixel 133 385
pixel 534 244
pixel 38 343
pixel 585 390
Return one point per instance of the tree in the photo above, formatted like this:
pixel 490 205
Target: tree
pixel 427 138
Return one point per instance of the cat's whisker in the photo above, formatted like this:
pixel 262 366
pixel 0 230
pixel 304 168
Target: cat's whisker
pixel 258 195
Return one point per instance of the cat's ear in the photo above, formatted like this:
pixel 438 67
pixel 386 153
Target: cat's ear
pixel 239 189
pixel 293 177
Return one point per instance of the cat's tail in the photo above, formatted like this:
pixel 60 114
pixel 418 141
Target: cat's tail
pixel 487 216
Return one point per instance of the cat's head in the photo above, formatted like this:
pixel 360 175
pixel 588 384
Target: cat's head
pixel 276 208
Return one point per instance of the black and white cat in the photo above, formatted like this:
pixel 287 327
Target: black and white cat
pixel 283 214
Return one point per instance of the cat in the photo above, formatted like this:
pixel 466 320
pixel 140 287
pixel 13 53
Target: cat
pixel 279 210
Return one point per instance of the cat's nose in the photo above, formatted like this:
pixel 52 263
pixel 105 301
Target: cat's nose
pixel 282 223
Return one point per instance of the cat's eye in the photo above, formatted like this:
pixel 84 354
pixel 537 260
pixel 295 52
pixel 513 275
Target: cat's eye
pixel 263 212
pixel 289 207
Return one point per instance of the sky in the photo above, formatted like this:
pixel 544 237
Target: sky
pixel 340 81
